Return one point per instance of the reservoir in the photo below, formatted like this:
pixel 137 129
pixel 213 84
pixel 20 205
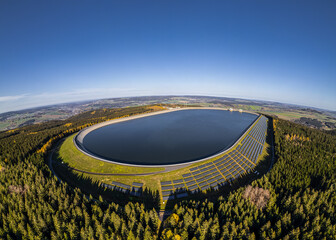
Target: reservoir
pixel 168 138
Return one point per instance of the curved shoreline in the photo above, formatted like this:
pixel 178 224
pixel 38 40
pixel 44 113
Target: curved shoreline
pixel 78 140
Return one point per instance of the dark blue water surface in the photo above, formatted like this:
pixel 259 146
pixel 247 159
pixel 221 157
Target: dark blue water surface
pixel 169 138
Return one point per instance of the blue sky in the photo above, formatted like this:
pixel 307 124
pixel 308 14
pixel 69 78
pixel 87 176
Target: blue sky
pixel 62 51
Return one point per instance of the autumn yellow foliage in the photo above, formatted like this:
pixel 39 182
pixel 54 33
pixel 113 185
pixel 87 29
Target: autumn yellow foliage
pixel 275 121
pixel 48 144
pixel 294 137
pixel 169 235
pixel 172 220
pixel 176 217
pixel 156 108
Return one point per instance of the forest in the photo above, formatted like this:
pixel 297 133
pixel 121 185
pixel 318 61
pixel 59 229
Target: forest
pixel 296 199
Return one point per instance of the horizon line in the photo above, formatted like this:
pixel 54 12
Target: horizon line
pixel 165 95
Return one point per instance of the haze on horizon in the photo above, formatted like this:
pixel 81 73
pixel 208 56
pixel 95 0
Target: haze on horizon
pixel 65 51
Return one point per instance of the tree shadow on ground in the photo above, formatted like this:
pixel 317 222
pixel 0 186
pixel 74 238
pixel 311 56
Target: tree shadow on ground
pixel 149 198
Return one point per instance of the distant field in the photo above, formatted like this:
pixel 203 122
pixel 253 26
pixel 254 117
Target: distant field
pixel 29 118
pixel 4 125
pixel 287 115
pixel 295 115
pixel 248 107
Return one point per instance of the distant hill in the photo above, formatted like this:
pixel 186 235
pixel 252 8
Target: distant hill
pixel 311 117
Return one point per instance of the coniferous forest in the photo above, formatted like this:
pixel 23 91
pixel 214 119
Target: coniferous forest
pixel 296 199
